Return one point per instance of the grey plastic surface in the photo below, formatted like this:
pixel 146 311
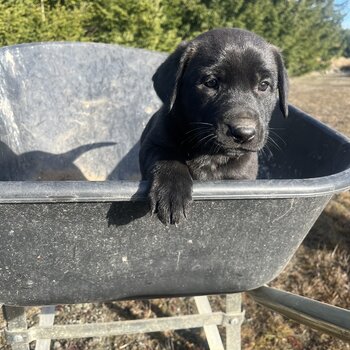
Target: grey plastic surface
pixel 75 112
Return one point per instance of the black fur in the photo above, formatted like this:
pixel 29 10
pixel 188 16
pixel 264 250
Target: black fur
pixel 218 93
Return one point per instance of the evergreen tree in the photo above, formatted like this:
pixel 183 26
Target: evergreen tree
pixel 308 31
pixel 40 20
pixel 135 23
pixel 346 42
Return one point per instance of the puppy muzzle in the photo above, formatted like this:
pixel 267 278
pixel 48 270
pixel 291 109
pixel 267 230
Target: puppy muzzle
pixel 243 127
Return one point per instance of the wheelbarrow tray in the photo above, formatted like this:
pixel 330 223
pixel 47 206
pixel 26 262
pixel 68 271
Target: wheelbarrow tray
pixel 74 221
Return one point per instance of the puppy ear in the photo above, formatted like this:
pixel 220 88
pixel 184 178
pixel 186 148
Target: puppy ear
pixel 168 75
pixel 283 84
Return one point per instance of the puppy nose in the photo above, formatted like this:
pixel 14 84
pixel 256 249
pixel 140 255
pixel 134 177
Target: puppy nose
pixel 242 134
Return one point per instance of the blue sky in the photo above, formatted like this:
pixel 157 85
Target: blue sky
pixel 346 11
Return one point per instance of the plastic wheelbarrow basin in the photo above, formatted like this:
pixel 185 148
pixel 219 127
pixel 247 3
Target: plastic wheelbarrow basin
pixel 74 222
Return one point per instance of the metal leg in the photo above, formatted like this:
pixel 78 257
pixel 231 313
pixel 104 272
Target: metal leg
pixel 19 337
pixel 211 331
pixel 16 321
pixel 46 319
pixel 233 329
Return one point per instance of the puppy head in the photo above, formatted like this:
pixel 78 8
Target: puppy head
pixel 225 84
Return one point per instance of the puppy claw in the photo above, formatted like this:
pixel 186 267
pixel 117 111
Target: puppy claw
pixel 184 214
pixel 153 208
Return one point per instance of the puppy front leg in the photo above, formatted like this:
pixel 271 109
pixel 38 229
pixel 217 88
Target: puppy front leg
pixel 171 190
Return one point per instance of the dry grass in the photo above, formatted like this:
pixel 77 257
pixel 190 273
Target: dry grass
pixel 320 268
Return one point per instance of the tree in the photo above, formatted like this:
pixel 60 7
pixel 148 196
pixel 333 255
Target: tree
pixel 346 42
pixel 308 31
pixel 134 23
pixel 30 21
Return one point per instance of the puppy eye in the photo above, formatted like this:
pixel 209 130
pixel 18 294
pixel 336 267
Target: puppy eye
pixel 263 85
pixel 212 83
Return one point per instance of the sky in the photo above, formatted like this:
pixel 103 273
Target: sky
pixel 346 11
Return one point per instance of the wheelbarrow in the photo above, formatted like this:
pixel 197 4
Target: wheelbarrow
pixel 75 226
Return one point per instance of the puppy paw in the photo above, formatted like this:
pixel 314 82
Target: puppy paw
pixel 170 194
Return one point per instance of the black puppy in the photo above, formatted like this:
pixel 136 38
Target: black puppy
pixel 218 93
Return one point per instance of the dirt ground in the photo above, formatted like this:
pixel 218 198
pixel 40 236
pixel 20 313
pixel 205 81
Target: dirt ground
pixel 320 269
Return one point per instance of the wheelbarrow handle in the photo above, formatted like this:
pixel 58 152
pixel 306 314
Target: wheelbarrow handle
pixel 323 317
